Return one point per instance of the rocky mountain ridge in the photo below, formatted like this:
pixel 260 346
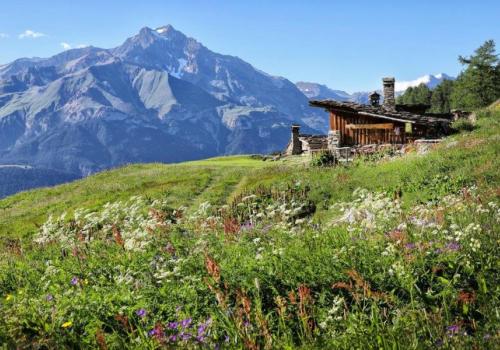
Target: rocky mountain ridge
pixel 160 96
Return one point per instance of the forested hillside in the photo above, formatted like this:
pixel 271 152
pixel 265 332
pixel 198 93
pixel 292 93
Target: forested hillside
pixel 477 85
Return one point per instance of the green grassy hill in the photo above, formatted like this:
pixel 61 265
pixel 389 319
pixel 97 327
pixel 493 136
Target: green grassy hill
pixel 468 158
pixel 261 254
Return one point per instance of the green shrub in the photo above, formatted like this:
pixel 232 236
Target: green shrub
pixel 323 159
pixel 462 125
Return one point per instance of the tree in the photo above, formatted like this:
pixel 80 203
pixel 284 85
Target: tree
pixel 416 95
pixel 479 84
pixel 440 100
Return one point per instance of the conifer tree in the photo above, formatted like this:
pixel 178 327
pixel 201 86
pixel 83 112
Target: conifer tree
pixel 440 100
pixel 479 84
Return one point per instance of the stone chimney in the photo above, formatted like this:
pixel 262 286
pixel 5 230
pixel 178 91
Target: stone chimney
pixel 389 95
pixel 296 144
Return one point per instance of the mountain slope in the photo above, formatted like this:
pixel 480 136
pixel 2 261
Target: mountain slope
pixel 16 178
pixel 321 92
pixel 318 91
pixel 160 96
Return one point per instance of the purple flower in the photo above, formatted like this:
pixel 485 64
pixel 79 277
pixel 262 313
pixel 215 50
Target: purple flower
pixel 246 324
pixel 74 281
pixel 185 323
pixel 173 325
pixel 154 332
pixel 185 336
pixel 141 313
pixel 172 338
pixel 226 339
pixel 200 338
pixel 453 246
pixel 203 326
pixel 453 329
pixel 49 297
pixel 410 246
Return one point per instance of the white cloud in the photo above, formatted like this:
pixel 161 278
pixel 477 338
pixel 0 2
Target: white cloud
pixel 28 33
pixel 3 35
pixel 65 46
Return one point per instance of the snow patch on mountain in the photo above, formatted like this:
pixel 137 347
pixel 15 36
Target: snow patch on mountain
pixel 429 79
pixel 180 69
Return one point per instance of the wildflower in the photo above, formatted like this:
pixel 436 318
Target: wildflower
pixel 185 323
pixel 8 297
pixel 410 246
pixel 67 324
pixel 157 332
pixel 173 325
pixel 49 297
pixel 453 329
pixel 185 336
pixel 203 327
pixel 200 338
pixel 74 281
pixel 453 246
pixel 141 313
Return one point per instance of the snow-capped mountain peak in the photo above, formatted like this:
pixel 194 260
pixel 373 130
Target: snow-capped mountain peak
pixel 431 80
pixel 162 30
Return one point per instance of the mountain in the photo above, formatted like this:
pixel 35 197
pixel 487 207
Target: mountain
pixel 160 96
pixel 430 80
pixel 16 178
pixel 318 91
pixel 321 92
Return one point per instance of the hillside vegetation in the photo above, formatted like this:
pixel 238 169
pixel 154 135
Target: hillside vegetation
pixel 242 253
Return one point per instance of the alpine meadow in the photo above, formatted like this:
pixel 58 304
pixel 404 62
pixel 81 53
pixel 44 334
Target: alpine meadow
pixel 160 195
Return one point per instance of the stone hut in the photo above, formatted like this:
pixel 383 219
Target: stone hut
pixel 386 123
pixel 359 125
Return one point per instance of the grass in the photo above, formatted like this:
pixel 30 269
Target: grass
pixel 271 262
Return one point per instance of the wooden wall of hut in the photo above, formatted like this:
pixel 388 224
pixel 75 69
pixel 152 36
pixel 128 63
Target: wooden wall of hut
pixel 357 129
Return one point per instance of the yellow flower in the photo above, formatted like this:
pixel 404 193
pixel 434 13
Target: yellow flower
pixel 8 297
pixel 67 324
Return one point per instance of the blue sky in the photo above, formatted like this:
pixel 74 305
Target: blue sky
pixel 347 45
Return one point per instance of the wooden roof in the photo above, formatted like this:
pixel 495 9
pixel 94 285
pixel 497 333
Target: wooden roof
pixel 379 112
